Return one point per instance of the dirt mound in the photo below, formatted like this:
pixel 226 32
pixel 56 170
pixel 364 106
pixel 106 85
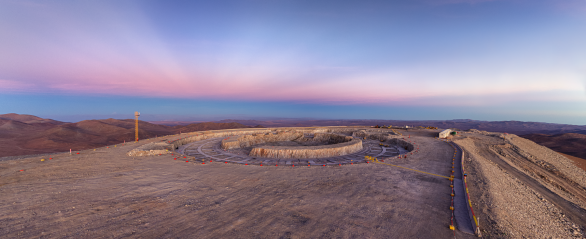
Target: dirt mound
pixel 12 125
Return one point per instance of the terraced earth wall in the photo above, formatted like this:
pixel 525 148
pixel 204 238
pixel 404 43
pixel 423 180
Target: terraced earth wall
pixel 282 134
pixel 322 151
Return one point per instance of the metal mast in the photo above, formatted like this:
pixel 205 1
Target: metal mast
pixel 136 114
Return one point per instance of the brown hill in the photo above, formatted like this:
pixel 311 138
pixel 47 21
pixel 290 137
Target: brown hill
pixel 570 143
pixel 48 136
pixel 12 125
pixel 29 119
pixel 175 122
pixel 209 126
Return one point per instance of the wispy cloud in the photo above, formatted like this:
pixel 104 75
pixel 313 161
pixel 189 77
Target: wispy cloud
pixel 447 2
pixel 17 86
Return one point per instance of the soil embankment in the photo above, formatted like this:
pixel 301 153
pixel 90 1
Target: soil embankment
pixel 569 143
pixel 523 189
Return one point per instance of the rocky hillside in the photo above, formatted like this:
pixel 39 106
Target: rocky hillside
pixel 569 143
pixel 28 119
pixel 27 134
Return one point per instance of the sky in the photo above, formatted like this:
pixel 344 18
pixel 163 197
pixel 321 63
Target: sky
pixel 191 60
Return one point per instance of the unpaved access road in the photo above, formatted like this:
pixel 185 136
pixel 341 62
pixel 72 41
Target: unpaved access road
pixel 105 193
pixel 522 190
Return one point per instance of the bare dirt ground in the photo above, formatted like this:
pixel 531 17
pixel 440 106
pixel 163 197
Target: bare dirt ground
pixel 579 162
pixel 105 193
pixel 522 190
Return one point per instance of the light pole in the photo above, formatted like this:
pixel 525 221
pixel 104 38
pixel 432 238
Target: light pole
pixel 136 114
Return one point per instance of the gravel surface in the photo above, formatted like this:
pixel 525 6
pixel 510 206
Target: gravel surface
pixel 106 193
pixel 506 206
pixel 537 152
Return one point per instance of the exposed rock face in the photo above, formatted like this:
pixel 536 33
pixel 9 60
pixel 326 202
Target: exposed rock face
pixel 249 140
pixel 151 149
pixel 237 138
pixel 352 146
pixel 406 145
pixel 213 133
pixel 330 138
pixel 374 134
pixel 231 142
pixel 336 144
pixel 162 147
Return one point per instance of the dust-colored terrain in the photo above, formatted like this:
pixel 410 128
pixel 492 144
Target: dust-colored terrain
pixel 518 189
pixel 523 190
pixel 579 162
pixel 570 143
pixel 105 193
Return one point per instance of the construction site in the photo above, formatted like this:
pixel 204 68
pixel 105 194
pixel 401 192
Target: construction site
pixel 298 182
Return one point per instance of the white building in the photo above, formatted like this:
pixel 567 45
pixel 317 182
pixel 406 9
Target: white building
pixel 444 134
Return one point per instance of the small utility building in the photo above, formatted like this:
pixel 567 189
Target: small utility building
pixel 444 134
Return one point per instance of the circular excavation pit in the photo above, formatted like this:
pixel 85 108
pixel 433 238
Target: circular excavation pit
pixel 289 145
pixel 295 148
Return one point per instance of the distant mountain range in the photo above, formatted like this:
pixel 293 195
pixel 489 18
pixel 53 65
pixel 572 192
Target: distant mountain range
pixel 28 134
pixel 514 127
pixel 563 138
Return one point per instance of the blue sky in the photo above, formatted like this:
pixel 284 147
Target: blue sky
pixel 420 59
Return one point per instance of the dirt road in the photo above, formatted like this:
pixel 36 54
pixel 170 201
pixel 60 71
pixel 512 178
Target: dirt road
pixel 521 190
